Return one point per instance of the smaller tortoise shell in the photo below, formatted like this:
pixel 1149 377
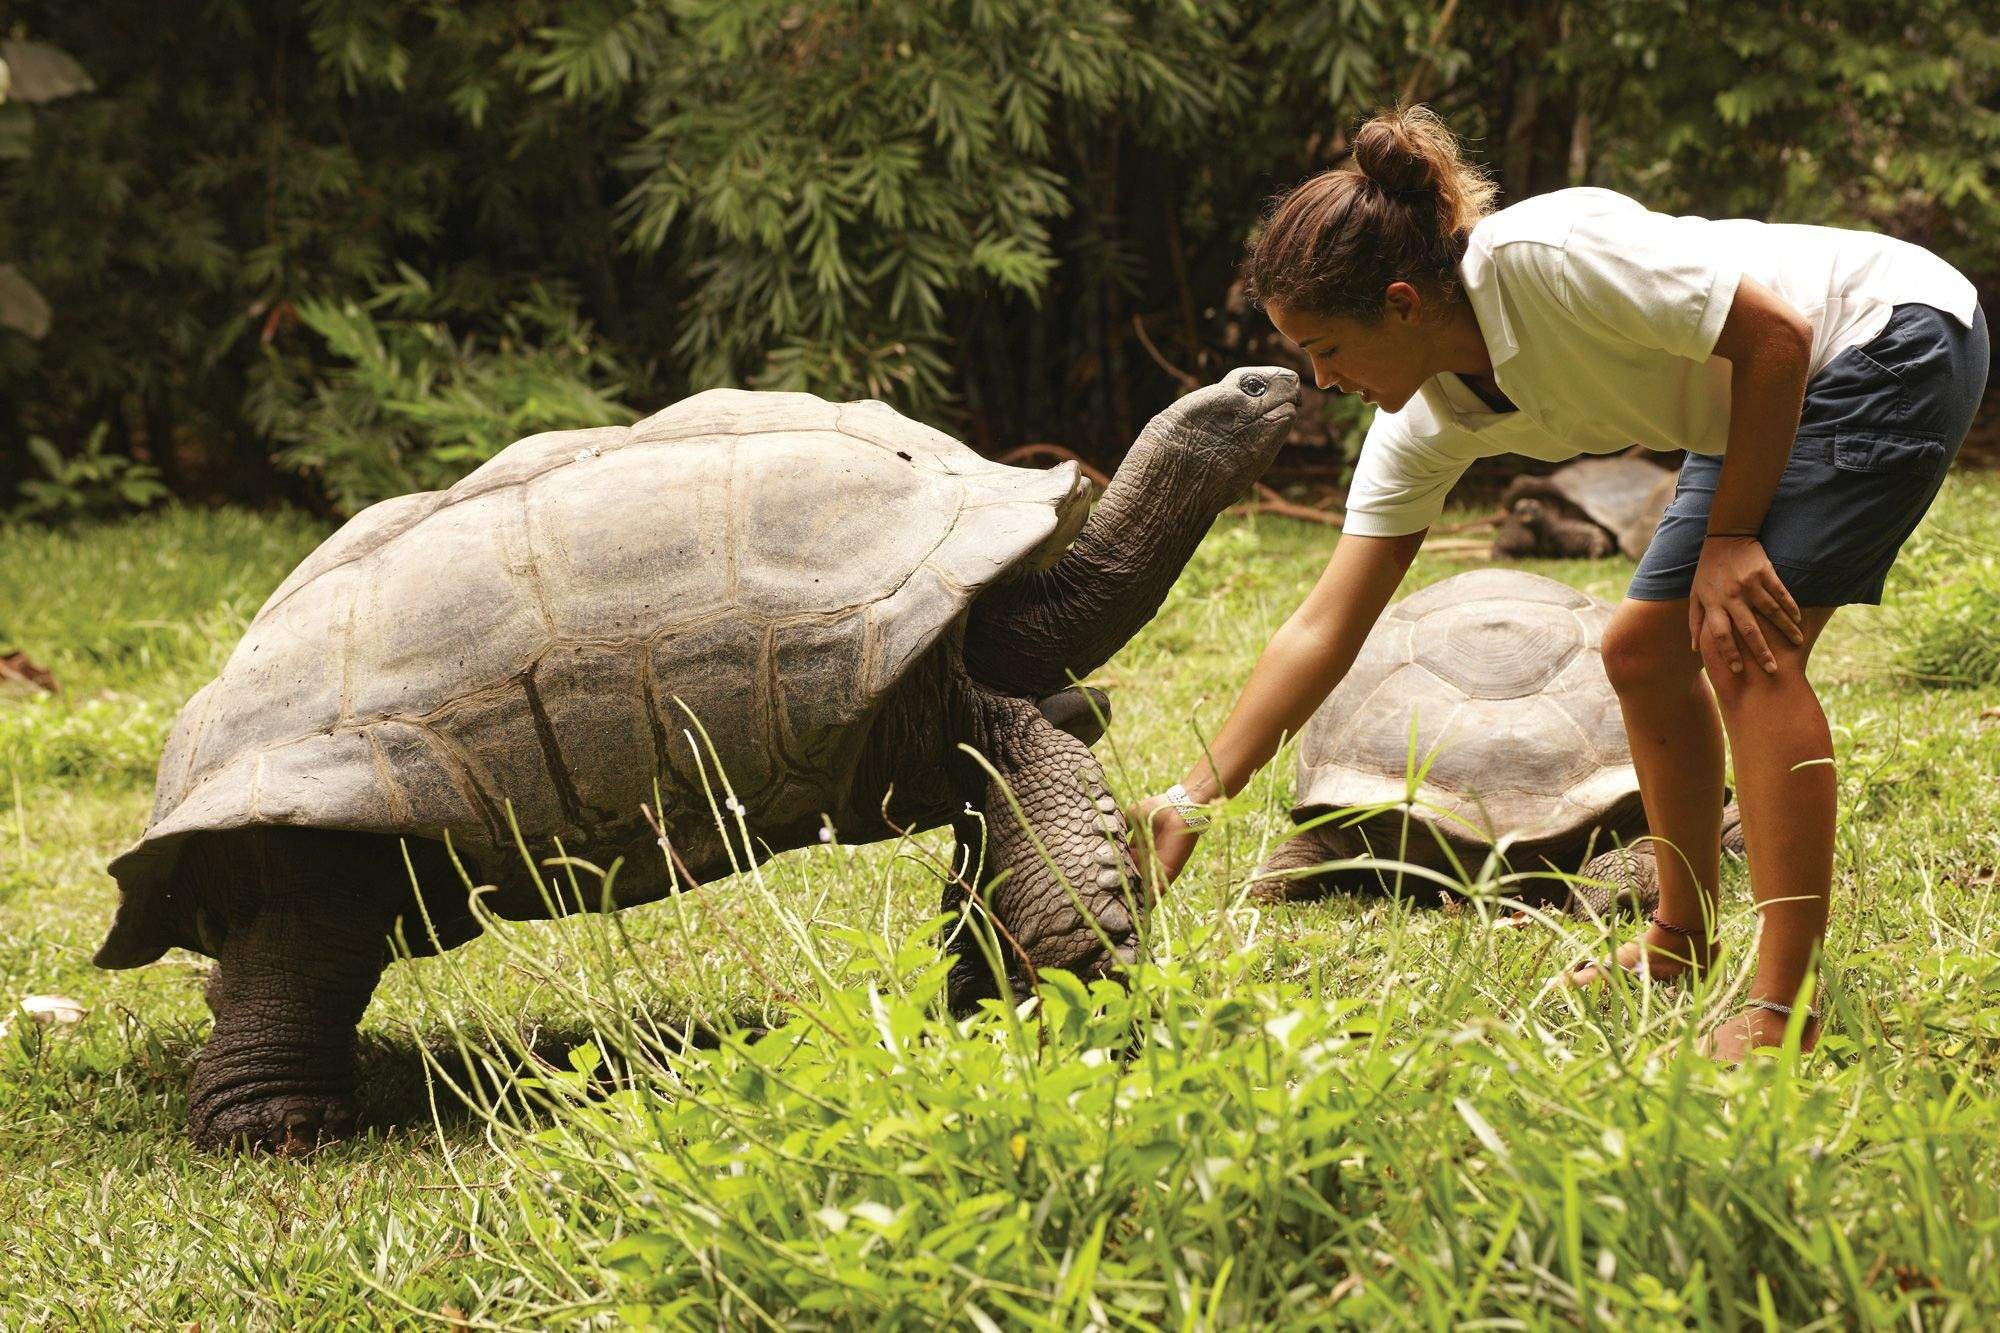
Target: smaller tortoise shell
pixel 1489 685
pixel 1624 495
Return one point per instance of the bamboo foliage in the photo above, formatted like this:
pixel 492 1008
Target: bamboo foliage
pixel 1019 219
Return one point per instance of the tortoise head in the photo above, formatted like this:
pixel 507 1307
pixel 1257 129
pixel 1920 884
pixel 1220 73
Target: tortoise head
pixel 1227 433
pixel 1032 636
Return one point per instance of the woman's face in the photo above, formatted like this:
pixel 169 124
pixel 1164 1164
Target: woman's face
pixel 1385 362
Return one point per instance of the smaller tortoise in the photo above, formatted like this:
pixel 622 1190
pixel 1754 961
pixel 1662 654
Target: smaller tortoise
pixel 1586 509
pixel 1487 690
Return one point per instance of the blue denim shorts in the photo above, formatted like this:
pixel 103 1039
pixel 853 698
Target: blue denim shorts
pixel 1880 427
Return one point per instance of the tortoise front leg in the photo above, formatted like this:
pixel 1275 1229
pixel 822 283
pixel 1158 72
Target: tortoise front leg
pixel 1081 710
pixel 1630 876
pixel 301 956
pixel 1065 850
pixel 1287 876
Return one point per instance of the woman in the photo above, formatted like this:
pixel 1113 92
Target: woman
pixel 1821 381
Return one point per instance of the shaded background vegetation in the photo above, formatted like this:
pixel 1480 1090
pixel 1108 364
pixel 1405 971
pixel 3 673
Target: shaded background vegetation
pixel 334 249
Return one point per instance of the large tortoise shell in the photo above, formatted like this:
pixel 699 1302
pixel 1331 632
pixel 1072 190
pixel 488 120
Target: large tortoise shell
pixel 533 640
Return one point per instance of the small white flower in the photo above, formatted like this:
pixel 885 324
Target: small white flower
pixel 969 810
pixel 48 1010
pixel 55 1010
pixel 826 833
pixel 734 806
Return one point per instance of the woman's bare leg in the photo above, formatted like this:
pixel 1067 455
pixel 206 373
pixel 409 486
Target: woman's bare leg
pixel 1675 733
pixel 1675 720
pixel 1785 785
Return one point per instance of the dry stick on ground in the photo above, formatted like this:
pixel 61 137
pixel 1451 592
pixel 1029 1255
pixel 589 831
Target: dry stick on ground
pixel 1269 501
pixel 17 670
pixel 1493 520
pixel 1054 453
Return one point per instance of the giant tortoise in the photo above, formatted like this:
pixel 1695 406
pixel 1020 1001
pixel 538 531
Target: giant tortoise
pixel 1477 711
pixel 1588 508
pixel 789 612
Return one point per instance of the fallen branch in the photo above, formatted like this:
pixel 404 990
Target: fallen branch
pixel 1269 501
pixel 1461 546
pixel 1052 453
pixel 17 671
pixel 1471 525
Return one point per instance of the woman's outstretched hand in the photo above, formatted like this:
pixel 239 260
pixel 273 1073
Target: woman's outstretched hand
pixel 1733 585
pixel 1159 834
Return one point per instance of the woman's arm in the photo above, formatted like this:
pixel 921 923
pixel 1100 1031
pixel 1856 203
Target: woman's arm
pixel 1769 347
pixel 1305 659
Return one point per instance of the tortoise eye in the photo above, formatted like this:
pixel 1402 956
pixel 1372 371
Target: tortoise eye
pixel 1254 385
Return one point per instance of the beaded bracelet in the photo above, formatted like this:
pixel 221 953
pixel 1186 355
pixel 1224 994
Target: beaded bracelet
pixel 1772 1006
pixel 1184 806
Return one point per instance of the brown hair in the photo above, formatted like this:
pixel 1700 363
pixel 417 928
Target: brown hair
pixel 1399 210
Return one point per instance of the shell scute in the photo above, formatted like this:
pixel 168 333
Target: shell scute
pixel 818 667
pixel 634 541
pixel 800 548
pixel 1493 649
pixel 594 703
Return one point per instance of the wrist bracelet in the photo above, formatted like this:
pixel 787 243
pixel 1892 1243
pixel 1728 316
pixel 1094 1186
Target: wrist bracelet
pixel 1185 807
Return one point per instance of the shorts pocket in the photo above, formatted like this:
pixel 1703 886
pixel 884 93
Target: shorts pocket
pixel 1884 374
pixel 1896 452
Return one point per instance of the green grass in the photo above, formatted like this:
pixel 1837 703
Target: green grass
pixel 1355 1112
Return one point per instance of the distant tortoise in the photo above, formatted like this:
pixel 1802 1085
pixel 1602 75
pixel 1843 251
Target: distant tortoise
pixel 841 597
pixel 1517 735
pixel 1586 509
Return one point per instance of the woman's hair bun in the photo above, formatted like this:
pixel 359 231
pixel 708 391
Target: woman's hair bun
pixel 1401 210
pixel 1393 151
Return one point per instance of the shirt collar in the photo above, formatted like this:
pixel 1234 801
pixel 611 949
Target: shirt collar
pixel 1475 271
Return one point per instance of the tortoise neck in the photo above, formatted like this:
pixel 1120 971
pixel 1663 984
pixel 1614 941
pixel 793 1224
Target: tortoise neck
pixel 1031 635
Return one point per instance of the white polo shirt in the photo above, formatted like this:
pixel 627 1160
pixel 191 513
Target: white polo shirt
pixel 1601 317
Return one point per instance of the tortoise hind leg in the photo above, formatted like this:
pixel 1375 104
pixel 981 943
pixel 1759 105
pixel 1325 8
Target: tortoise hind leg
pixel 307 915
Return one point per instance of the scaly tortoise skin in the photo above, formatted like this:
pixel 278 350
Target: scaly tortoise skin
pixel 820 604
pixel 1517 736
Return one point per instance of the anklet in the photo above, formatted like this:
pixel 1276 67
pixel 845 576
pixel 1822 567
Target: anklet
pixel 1673 929
pixel 1784 1010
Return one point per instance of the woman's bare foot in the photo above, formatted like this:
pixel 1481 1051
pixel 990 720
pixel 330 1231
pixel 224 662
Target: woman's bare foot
pixel 1660 954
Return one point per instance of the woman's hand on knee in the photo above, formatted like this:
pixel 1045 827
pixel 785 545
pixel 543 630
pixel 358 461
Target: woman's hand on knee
pixel 1735 585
